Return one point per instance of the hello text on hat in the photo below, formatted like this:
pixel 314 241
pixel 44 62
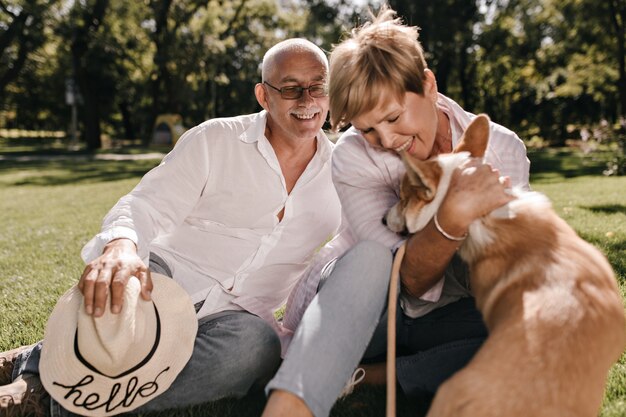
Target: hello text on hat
pixel 117 362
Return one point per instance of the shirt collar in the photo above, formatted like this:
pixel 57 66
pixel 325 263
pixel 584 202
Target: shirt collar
pixel 256 129
pixel 459 118
pixel 256 132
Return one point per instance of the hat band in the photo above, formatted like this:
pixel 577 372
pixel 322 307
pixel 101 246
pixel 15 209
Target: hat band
pixel 134 368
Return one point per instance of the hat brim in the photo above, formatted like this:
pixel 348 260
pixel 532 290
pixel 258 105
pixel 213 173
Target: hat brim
pixel 79 389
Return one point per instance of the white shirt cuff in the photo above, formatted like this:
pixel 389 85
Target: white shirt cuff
pixel 95 246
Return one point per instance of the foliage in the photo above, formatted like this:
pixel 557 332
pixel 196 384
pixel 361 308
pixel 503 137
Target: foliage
pixel 134 60
pixel 536 66
pixel 27 87
pixel 607 136
pixel 549 63
pixel 23 32
pixel 447 35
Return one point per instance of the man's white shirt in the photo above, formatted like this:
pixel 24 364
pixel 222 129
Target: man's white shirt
pixel 210 210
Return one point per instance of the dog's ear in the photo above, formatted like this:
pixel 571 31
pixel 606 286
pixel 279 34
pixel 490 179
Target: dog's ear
pixel 423 176
pixel 475 137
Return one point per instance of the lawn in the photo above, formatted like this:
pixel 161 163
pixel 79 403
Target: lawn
pixel 49 209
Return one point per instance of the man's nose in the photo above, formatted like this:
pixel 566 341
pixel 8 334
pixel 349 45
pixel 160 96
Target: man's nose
pixel 306 97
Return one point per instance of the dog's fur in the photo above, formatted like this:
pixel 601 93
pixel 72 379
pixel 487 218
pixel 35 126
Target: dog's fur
pixel 549 299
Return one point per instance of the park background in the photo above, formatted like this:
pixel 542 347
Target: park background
pixel 83 84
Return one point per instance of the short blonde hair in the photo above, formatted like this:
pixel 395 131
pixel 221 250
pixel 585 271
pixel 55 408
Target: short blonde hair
pixel 381 59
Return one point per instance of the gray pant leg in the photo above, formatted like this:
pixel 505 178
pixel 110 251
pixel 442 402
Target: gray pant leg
pixel 27 362
pixel 233 351
pixel 336 328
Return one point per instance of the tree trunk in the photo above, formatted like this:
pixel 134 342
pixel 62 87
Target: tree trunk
pixel 617 9
pixel 91 118
pixel 127 120
pixel 465 79
pixel 80 46
pixel 160 38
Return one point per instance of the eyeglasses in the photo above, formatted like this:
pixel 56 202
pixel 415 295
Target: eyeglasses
pixel 295 92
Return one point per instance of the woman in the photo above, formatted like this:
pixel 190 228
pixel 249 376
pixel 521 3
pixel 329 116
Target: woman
pixel 379 83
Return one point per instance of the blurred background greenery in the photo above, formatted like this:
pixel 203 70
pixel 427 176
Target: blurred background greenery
pixel 552 70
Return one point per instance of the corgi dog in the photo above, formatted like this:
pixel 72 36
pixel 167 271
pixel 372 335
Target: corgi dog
pixel 549 299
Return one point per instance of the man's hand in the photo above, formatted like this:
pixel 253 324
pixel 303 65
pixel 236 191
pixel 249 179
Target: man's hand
pixel 118 262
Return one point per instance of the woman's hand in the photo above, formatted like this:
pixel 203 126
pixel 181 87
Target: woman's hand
pixel 475 190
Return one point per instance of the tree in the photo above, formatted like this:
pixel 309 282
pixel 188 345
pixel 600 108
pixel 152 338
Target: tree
pixel 90 62
pixel 447 34
pixel 131 50
pixel 24 33
pixel 549 64
pixel 170 18
pixel 617 13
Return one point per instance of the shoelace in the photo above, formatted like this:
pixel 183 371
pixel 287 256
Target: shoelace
pixel 357 376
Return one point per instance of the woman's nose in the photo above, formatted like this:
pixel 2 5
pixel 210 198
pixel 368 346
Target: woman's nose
pixel 386 139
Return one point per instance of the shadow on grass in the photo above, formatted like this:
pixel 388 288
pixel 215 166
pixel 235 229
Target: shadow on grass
pixel 62 172
pixel 371 401
pixel 614 249
pixel 366 401
pixel 606 208
pixel 547 165
pixel 553 165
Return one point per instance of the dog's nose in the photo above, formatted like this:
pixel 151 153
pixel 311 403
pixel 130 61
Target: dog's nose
pixel 403 233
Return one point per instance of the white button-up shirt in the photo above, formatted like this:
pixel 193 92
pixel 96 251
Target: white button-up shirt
pixel 210 210
pixel 368 184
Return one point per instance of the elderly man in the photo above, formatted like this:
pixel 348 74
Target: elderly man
pixel 233 214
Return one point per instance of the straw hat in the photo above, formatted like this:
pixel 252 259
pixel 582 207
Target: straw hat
pixel 118 362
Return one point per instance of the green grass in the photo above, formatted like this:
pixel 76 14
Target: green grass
pixel 595 206
pixel 49 209
pixel 57 146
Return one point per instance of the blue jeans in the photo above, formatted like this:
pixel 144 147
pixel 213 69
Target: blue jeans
pixel 233 351
pixel 346 322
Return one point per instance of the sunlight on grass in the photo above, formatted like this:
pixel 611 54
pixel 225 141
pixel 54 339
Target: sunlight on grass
pixel 596 208
pixel 43 229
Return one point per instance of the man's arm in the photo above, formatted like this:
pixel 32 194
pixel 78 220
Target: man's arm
pixel 161 201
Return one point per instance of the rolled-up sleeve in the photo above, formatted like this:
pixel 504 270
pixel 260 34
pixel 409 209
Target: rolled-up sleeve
pixel 365 193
